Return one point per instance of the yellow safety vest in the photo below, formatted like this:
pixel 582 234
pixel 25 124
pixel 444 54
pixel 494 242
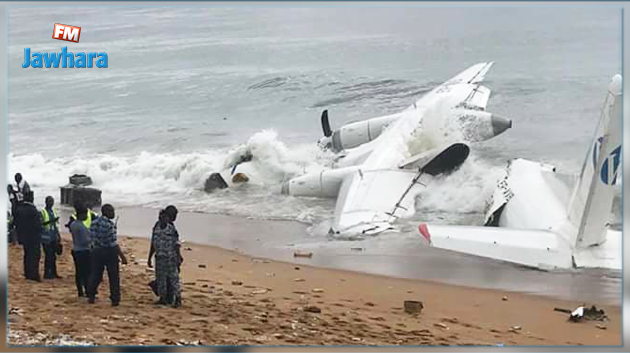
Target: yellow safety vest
pixel 87 222
pixel 45 218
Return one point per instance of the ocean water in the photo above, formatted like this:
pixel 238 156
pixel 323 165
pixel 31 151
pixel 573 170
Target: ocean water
pixel 187 87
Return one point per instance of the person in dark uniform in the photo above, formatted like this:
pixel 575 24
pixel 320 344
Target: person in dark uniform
pixel 105 254
pixel 28 223
pixel 50 238
pixel 168 258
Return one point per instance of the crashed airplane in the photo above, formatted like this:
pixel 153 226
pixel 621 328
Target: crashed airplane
pixel 534 219
pixel 383 161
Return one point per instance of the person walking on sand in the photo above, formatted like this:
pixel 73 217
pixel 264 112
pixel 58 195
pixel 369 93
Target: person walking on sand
pixel 105 254
pixel 168 258
pixel 81 243
pixel 28 223
pixel 51 240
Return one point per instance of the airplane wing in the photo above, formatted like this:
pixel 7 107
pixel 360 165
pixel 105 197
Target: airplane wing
pixel 540 249
pixel 534 248
pixel 464 89
pixel 606 255
pixel 369 201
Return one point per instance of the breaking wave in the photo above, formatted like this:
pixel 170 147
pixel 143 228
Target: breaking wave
pixel 460 197
pixel 151 179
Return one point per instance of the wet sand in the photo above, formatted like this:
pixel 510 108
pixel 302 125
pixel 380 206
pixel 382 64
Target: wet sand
pixel 234 299
pixel 410 259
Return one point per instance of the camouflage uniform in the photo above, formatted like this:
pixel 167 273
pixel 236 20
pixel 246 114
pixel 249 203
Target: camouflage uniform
pixel 166 242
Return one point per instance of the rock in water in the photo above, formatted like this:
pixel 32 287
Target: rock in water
pixel 240 178
pixel 214 181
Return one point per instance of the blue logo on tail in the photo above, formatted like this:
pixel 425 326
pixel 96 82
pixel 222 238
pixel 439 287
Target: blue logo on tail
pixel 610 166
pixel 609 174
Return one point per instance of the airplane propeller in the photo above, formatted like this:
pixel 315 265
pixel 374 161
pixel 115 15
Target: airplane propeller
pixel 326 124
pixel 325 142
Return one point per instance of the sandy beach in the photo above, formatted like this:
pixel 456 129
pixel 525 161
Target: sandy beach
pixel 233 299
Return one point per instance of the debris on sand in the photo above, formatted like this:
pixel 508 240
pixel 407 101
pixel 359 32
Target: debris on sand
pixel 562 310
pixel 260 291
pixel 16 311
pixel 237 283
pixel 183 342
pixel 313 309
pixel 22 338
pixel 592 313
pixel 317 290
pixel 441 325
pixel 505 298
pixel 515 328
pixel 299 280
pixel 303 254
pixel 413 306
pixel 201 266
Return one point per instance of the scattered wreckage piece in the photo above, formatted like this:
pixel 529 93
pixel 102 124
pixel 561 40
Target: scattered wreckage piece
pixel 534 219
pixel 79 188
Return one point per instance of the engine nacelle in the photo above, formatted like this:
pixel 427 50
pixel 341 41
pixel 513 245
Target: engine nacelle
pixel 322 184
pixel 357 133
pixel 477 125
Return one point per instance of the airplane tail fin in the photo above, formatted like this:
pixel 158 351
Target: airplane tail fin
pixel 593 193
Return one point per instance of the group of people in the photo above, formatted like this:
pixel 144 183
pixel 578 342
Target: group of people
pixel 94 245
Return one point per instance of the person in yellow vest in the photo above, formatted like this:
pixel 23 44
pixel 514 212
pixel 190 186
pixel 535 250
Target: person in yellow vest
pixel 50 238
pixel 87 222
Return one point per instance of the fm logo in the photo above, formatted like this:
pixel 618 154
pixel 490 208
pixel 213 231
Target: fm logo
pixel 67 33
pixel 610 166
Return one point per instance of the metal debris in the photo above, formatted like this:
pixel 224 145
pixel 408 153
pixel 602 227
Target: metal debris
pixel 313 309
pixel 413 306
pixel 592 313
pixel 303 254
pixel 23 338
